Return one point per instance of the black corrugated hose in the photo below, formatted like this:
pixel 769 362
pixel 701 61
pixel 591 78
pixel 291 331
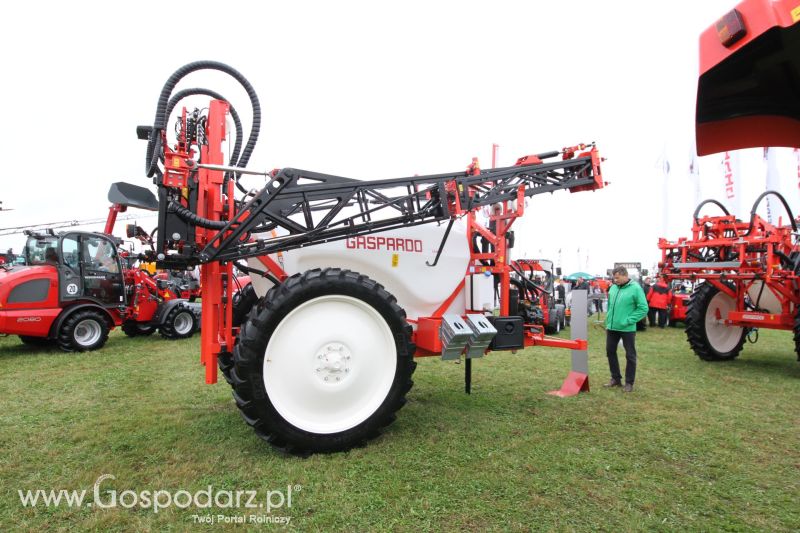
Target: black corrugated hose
pixel 162 113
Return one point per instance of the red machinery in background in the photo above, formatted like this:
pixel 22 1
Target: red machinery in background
pixel 77 286
pixel 533 279
pixel 679 299
pixel 748 96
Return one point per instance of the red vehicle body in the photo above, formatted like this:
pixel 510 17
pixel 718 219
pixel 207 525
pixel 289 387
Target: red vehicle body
pixel 180 284
pixel 747 96
pixel 15 315
pixel 677 307
pixel 77 286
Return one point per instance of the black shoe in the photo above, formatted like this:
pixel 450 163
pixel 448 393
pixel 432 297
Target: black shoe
pixel 628 387
pixel 613 383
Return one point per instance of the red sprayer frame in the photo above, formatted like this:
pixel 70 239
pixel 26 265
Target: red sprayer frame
pixel 215 202
pixel 733 256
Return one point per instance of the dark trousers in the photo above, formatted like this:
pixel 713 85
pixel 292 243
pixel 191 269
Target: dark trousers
pixel 657 316
pixel 629 343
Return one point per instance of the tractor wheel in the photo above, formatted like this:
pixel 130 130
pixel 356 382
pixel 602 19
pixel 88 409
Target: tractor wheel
pixel 797 333
pixel 554 327
pixel 134 329
pixel 709 339
pixel 243 302
pixel 35 341
pixel 323 362
pixel 83 331
pixel 180 323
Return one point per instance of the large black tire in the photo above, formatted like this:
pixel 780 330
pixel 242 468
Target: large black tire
pixel 180 323
pixel 83 331
pixel 35 341
pixel 554 325
pixel 134 329
pixel 245 370
pixel 243 302
pixel 712 342
pixel 797 333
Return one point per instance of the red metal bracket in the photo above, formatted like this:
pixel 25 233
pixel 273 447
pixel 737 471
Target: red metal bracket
pixel 575 383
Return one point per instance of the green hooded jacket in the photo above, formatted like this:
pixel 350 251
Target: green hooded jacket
pixel 627 305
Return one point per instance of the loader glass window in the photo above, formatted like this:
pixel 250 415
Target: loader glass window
pixel 69 252
pixel 41 250
pixel 102 277
pixel 99 255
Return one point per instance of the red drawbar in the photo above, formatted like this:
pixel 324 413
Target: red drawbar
pixel 575 383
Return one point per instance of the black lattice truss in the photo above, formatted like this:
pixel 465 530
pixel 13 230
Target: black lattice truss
pixel 314 208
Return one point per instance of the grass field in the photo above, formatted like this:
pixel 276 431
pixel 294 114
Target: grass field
pixel 697 446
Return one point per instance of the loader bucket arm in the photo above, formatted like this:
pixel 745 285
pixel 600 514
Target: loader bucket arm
pixel 129 195
pixel 748 93
pixel 124 195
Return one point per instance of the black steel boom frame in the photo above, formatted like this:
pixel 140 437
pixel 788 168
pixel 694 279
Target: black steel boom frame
pixel 314 208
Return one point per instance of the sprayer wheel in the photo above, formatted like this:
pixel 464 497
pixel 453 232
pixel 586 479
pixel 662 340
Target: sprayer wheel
pixel 711 340
pixel 323 363
pixel 797 333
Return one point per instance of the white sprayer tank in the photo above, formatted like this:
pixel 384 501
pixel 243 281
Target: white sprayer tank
pixel 764 298
pixel 397 260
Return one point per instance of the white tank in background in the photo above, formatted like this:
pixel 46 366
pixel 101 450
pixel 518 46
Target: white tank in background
pixel 397 260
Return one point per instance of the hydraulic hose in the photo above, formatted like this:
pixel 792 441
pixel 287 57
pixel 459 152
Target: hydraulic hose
pixel 157 154
pixel 190 217
pixel 159 123
pixel 704 202
pixel 758 201
pixel 262 273
pixel 484 248
pixel 180 95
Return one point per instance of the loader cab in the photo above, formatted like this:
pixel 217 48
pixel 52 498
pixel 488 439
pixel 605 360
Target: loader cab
pixel 88 265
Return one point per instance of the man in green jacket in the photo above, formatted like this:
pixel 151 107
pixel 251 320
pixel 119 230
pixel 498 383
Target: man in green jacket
pixel 627 305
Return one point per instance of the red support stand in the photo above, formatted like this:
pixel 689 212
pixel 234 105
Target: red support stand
pixel 578 378
pixel 575 383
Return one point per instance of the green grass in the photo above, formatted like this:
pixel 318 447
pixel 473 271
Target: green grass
pixel 698 446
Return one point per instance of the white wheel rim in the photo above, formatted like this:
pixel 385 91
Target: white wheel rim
pixel 330 364
pixel 87 332
pixel 183 323
pixel 722 338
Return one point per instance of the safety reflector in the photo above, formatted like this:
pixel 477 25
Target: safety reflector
pixel 730 28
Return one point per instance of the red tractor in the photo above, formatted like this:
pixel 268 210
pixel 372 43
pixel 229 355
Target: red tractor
pixel 76 286
pixel 533 283
pixel 748 96
pixel 181 283
pixel 679 298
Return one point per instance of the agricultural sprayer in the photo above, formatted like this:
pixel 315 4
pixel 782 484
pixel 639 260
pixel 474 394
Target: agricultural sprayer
pixel 748 96
pixel 351 279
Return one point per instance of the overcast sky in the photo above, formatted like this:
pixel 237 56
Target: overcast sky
pixel 375 90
